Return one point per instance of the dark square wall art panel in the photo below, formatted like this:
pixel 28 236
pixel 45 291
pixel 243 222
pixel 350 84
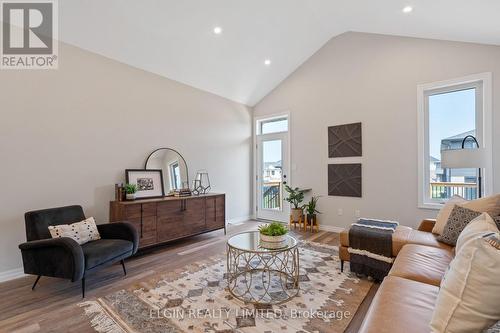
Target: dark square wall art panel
pixel 344 180
pixel 344 140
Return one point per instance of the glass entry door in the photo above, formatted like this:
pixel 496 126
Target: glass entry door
pixel 272 171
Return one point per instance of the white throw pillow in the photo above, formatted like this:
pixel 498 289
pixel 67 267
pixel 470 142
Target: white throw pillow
pixel 82 232
pixel 445 212
pixel 468 300
pixel 477 227
pixel 490 205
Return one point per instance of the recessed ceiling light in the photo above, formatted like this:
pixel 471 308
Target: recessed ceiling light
pixel 407 9
pixel 267 62
pixel 217 30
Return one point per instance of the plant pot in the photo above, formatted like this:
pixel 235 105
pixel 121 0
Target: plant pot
pixel 130 196
pixel 311 218
pixel 296 214
pixel 273 242
pixel 273 239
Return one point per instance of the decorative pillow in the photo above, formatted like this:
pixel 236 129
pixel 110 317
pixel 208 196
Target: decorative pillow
pixel 82 232
pixel 490 205
pixel 468 299
pixel 479 226
pixel 497 221
pixel 458 220
pixel 444 213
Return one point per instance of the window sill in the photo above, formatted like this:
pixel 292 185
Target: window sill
pixel 429 205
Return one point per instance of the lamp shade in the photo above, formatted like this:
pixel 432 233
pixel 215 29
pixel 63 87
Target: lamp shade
pixel 463 158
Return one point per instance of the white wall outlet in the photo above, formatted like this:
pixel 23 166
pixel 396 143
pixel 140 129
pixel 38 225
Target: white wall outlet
pixel 340 212
pixel 357 213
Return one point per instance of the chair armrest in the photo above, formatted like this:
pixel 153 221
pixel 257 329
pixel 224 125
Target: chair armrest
pixel 119 230
pixel 57 257
pixel 427 225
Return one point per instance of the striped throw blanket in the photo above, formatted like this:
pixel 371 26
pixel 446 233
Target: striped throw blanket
pixel 370 247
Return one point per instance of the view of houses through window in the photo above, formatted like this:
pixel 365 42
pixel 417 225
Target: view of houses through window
pixel 272 175
pixel 452 116
pixel 272 161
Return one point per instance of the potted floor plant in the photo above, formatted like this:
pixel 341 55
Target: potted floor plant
pixel 311 211
pixel 130 190
pixel 295 198
pixel 273 234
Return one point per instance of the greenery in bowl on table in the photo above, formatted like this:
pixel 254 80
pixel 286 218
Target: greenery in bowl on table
pixel 273 229
pixel 130 188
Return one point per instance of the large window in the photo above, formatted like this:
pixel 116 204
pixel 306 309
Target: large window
pixel 449 112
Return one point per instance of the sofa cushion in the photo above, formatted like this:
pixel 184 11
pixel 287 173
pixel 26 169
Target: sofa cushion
pixel 458 220
pixel 426 238
pixel 480 225
pixel 82 232
pixel 444 213
pixel 497 221
pixel 490 205
pixel 400 305
pixel 104 250
pixel 422 263
pixel 468 300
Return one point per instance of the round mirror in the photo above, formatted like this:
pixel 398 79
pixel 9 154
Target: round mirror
pixel 173 165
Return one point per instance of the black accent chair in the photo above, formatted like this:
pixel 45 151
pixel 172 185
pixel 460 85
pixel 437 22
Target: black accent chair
pixel 64 257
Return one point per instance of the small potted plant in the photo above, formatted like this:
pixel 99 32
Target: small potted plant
pixel 130 190
pixel 311 210
pixel 273 234
pixel 295 198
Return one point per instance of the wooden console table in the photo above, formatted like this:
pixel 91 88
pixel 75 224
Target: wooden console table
pixel 166 219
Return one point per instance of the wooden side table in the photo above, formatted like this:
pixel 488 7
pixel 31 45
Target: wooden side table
pixel 300 222
pixel 312 224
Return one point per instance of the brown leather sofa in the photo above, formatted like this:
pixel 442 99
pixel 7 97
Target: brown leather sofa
pixel 405 299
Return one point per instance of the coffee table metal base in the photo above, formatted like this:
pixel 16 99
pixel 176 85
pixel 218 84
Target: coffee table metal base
pixel 263 278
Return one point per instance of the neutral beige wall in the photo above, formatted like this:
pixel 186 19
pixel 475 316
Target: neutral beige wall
pixel 67 136
pixel 372 79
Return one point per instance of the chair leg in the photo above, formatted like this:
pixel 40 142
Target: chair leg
pixel 83 287
pixel 342 266
pixel 36 281
pixel 123 265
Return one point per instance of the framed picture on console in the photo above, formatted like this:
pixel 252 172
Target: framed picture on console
pixel 149 182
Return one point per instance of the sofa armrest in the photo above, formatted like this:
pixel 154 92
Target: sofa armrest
pixel 120 230
pixel 427 225
pixel 57 257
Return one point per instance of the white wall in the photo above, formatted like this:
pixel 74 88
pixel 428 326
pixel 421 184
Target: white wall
pixel 373 79
pixel 67 136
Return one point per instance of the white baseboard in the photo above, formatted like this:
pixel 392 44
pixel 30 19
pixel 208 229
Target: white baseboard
pixel 11 274
pixel 330 228
pixel 238 220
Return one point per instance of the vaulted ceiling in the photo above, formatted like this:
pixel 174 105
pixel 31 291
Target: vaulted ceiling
pixel 176 39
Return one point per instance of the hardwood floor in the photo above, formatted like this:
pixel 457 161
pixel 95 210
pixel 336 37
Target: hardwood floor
pixel 51 307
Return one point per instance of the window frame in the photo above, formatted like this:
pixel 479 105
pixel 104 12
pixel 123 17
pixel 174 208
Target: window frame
pixel 256 132
pixel 483 84
pixel 260 122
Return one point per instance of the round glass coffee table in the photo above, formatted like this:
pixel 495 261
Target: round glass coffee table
pixel 260 275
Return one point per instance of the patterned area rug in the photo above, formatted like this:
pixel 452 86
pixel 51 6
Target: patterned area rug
pixel 197 300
